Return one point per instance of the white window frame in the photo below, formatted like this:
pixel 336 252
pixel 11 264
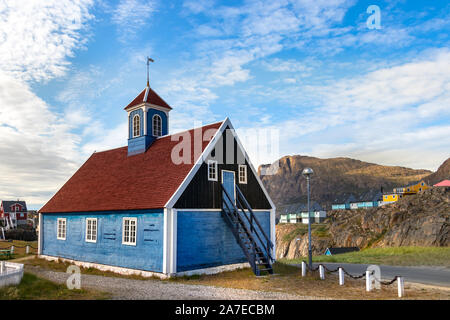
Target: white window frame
pixel 159 133
pixel 61 221
pixel 129 242
pixel 134 126
pixel 216 173
pixel 242 166
pixel 91 238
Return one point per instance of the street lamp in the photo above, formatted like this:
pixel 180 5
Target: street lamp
pixel 307 173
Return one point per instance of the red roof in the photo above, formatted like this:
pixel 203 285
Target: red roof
pixel 443 183
pixel 152 97
pixel 111 180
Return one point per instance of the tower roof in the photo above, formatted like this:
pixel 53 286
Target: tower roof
pixel 148 96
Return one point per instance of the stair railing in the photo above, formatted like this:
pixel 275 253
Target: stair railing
pixel 267 243
pixel 251 257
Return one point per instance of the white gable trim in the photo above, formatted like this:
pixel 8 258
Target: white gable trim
pixel 187 180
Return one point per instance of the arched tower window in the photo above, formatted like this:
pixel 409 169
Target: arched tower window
pixel 157 126
pixel 136 126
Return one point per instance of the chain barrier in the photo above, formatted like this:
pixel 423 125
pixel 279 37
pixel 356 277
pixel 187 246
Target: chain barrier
pixel 386 283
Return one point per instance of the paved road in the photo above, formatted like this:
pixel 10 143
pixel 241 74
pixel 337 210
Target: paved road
pixel 439 276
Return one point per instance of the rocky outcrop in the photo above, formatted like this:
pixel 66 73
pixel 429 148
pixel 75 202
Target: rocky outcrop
pixel 442 173
pixel 417 220
pixel 332 178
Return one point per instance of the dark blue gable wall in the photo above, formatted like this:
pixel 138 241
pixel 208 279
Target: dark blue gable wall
pixel 205 240
pixel 109 250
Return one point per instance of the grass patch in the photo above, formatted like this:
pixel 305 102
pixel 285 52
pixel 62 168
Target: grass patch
pixel 19 248
pixel 300 229
pixel 35 288
pixel 396 256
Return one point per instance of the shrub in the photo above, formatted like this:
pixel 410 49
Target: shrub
pixel 21 234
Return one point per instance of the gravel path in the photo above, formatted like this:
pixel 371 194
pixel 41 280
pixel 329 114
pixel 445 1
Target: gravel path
pixel 130 289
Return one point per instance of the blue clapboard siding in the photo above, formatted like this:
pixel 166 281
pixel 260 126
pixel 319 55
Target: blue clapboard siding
pixel 109 250
pixel 205 240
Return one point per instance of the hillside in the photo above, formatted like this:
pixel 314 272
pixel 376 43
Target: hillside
pixel 418 220
pixel 333 178
pixel 442 173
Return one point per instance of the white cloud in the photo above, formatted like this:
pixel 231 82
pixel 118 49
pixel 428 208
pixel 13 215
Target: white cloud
pixel 131 16
pixel 38 152
pixel 38 37
pixel 37 147
pixel 391 115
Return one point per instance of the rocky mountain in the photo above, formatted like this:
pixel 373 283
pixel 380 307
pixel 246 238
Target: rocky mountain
pixel 443 173
pixel 416 220
pixel 332 179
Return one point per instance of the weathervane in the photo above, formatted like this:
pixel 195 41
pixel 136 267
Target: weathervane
pixel 148 66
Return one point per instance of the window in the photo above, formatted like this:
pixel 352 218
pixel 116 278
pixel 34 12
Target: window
pixel 61 229
pixel 136 126
pixel 242 173
pixel 157 126
pixel 129 231
pixel 91 230
pixel 212 170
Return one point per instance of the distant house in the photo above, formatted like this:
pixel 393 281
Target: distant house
pixel 391 197
pixel 370 199
pixel 13 212
pixel 332 251
pixel 343 203
pixel 296 213
pixel 400 192
pixel 412 188
pixel 443 183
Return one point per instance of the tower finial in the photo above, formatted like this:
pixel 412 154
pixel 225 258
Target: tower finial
pixel 148 66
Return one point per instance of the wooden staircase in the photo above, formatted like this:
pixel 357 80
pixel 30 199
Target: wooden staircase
pixel 248 232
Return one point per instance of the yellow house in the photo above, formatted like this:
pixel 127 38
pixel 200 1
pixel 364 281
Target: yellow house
pixel 391 197
pixel 412 188
pixel 402 191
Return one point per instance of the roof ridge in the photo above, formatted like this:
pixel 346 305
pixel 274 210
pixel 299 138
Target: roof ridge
pixel 166 136
pixel 206 125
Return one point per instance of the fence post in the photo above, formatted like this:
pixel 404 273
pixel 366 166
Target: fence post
pixel 303 268
pixel 322 272
pixel 12 249
pixel 28 249
pixel 2 266
pixel 341 276
pixel 401 287
pixel 368 280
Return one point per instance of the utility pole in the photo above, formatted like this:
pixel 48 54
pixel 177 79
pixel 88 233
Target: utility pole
pixel 307 173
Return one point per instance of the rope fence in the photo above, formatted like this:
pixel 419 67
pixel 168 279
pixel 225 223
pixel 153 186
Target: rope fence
pixel 369 275
pixel 9 250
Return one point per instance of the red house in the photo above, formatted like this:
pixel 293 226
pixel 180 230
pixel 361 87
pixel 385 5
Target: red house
pixel 16 210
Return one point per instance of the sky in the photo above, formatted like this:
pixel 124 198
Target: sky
pixel 316 74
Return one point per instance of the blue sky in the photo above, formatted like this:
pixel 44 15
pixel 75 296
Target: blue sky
pixel 310 70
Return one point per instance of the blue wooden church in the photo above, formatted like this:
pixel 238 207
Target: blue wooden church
pixel 164 204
